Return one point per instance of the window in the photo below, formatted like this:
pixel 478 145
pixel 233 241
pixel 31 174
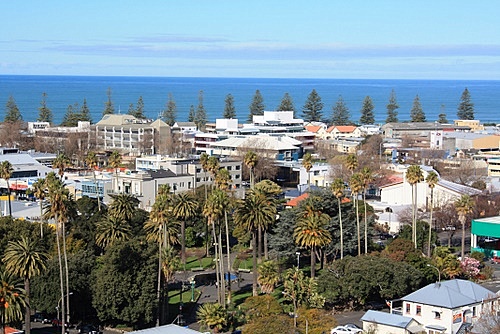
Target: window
pixel 238 167
pixel 437 315
pixel 419 310
pixel 408 308
pixel 474 311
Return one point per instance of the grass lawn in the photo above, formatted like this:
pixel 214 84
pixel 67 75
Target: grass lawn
pixel 238 297
pixel 174 296
pixel 194 262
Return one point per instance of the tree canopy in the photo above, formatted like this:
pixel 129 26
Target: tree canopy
pixel 465 108
pixel 417 113
pixel 341 115
pixel 367 116
pixel 312 109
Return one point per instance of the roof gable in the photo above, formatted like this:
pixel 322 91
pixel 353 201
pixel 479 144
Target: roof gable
pixel 346 128
pixel 313 128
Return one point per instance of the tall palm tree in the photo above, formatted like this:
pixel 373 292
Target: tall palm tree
pixel 115 161
pixel 366 178
pixel 123 206
pixel 432 179
pixel 338 187
pixel 271 191
pixel 25 259
pixel 12 299
pixel 310 231
pixel 61 162
pixel 250 161
pixel 169 264
pixel 414 175
pixel 6 171
pixel 185 207
pixel 307 163
pixel 110 230
pixel 268 276
pixel 464 206
pixel 204 165
pixel 92 162
pixel 351 162
pixel 252 212
pixel 223 179
pixel 39 189
pixel 356 184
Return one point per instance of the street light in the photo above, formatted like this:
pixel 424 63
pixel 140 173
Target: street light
pixel 192 289
pixel 59 303
pixel 298 259
pixel 439 272
pixel 294 300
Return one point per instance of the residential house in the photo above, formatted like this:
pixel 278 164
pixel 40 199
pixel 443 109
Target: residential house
pixel 343 131
pixel 387 323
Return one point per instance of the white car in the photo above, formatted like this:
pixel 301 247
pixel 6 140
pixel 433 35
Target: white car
pixel 346 330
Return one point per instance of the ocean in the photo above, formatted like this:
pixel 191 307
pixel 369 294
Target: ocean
pixel 436 96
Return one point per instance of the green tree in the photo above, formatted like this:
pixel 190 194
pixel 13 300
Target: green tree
pixel 366 178
pixel 268 276
pixel 307 163
pixel 464 206
pixel 84 115
pixel 39 190
pixel 169 114
pixel 341 115
pixel 92 162
pixel 338 188
pixel 286 103
pixel 12 299
pixel 6 171
pixel 442 119
pixel 200 117
pixel 44 113
pixel 110 230
pixel 356 184
pixel 115 161
pixel 257 106
pixel 192 114
pixel 185 207
pixel 416 113
pixel 109 107
pixel 139 109
pixel 465 108
pixel 212 316
pixel 25 259
pixel 351 162
pixel 229 108
pixel 70 118
pixel 311 232
pixel 312 109
pixel 61 162
pixel 414 175
pixel 251 159
pixel 432 179
pixel 392 107
pixel 367 116
pixel 12 113
pixel 123 206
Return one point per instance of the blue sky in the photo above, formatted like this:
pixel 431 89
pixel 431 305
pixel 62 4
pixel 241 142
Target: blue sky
pixel 230 38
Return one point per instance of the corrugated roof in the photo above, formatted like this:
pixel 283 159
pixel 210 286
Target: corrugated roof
pixel 384 318
pixel 167 329
pixel 449 294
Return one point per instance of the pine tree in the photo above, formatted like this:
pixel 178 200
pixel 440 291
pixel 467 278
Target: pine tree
pixel 392 106
pixel 71 116
pixel 442 119
pixel 416 113
pixel 139 109
pixel 286 104
pixel 192 114
pixel 131 109
pixel 257 106
pixel 44 113
pixel 109 108
pixel 341 115
pixel 367 116
pixel 466 107
pixel 229 109
pixel 12 113
pixel 85 112
pixel 311 111
pixel 170 113
pixel 200 117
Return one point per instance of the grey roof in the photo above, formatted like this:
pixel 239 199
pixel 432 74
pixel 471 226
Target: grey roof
pixel 167 329
pixel 449 294
pixel 384 318
pixel 161 173
pixel 461 189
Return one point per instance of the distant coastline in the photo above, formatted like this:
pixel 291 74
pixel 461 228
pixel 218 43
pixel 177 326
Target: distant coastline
pixel 436 96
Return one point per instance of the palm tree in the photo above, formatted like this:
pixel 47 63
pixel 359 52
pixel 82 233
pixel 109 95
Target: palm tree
pixel 39 189
pixel 414 175
pixel 123 206
pixel 25 259
pixel 351 162
pixel 212 315
pixel 431 179
pixel 307 163
pixel 464 205
pixel 356 185
pixel 311 232
pixel 184 208
pixel 223 179
pixel 12 299
pixel 110 230
pixel 366 178
pixel 338 187
pixel 115 161
pixel 251 213
pixel 91 161
pixel 6 171
pixel 271 191
pixel 250 161
pixel 169 264
pixel 268 276
pixel 61 162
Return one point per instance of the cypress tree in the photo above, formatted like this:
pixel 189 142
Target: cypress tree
pixel 367 116
pixel 341 115
pixel 392 107
pixel 229 108
pixel 12 113
pixel 466 107
pixel 44 113
pixel 257 106
pixel 416 113
pixel 312 109
pixel 170 113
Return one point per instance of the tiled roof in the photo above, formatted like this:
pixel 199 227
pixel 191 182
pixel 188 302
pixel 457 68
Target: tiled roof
pixel 330 129
pixel 313 128
pixel 346 128
pixel 295 201
pixel 449 294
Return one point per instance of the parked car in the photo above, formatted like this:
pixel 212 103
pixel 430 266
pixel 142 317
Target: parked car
pixel 375 305
pixel 449 228
pixel 346 330
pixel 88 329
pixel 40 317
pixel 352 326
